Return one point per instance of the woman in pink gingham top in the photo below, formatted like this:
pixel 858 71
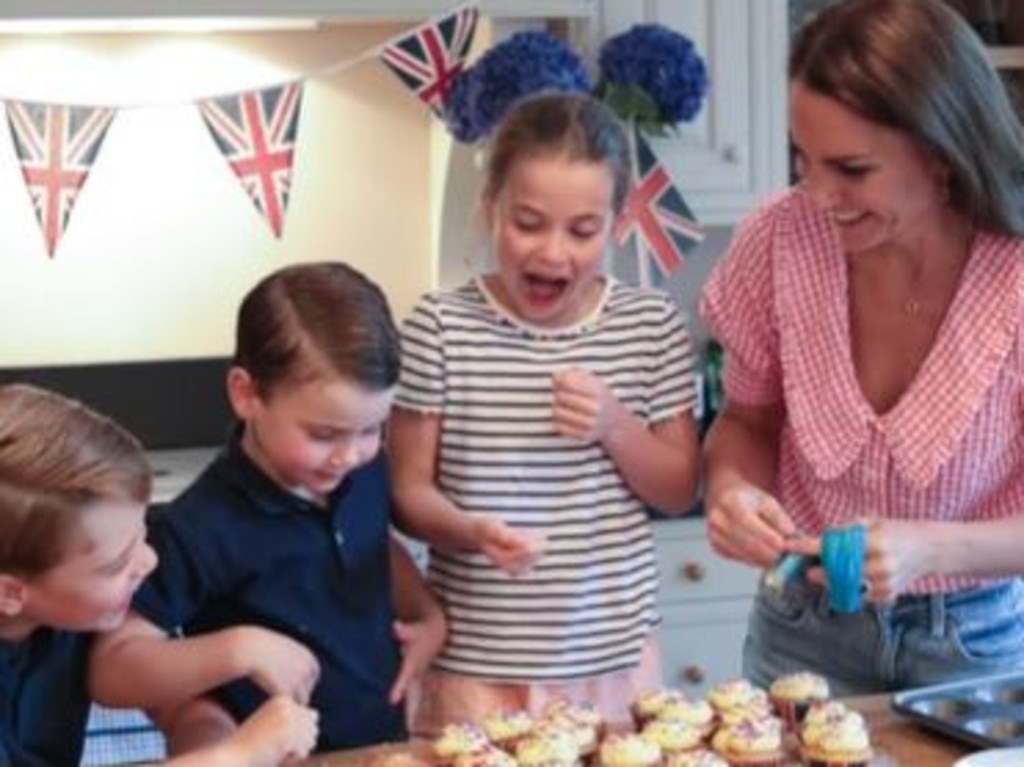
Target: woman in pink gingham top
pixel 872 320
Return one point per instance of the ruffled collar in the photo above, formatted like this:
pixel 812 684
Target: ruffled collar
pixel 830 418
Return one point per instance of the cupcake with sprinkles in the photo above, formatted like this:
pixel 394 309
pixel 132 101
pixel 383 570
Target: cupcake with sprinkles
pixel 648 705
pixel 736 694
pixel 751 743
pixel 506 728
pixel 584 735
pixel 793 694
pixel 696 713
pixel 629 750
pixel 843 742
pixel 819 716
pixel 456 739
pixel 548 748
pixel 673 735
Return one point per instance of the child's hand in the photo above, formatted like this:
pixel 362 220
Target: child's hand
pixel 583 407
pixel 279 664
pixel 514 550
pixel 279 730
pixel 421 641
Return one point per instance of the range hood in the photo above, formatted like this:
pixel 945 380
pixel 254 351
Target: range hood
pixel 330 11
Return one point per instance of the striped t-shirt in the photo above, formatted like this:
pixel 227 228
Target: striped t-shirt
pixel 587 606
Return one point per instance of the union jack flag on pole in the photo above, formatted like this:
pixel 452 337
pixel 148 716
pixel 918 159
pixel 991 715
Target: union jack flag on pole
pixel 655 216
pixel 255 131
pixel 56 147
pixel 429 58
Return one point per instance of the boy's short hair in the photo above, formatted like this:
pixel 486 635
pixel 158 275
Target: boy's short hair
pixel 56 457
pixel 309 319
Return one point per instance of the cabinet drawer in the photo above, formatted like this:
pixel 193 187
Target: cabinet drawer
pixel 689 569
pixel 704 651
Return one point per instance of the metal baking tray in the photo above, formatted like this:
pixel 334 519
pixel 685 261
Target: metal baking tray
pixel 985 711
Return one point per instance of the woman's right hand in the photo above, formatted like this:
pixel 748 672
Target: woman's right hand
pixel 747 524
pixel 514 550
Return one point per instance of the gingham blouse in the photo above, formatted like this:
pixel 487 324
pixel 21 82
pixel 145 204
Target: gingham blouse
pixel 952 448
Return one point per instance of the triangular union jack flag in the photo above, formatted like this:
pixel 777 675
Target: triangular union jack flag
pixel 56 147
pixel 429 58
pixel 255 131
pixel 655 215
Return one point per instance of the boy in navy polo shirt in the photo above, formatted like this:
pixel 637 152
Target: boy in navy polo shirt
pixel 73 492
pixel 278 568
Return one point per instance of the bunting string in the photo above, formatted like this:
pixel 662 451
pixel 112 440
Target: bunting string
pixel 255 130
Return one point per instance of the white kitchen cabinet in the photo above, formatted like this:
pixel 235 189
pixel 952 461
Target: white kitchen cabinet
pixel 704 600
pixel 735 152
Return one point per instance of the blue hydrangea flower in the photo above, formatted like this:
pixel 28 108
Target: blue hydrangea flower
pixel 660 62
pixel 525 63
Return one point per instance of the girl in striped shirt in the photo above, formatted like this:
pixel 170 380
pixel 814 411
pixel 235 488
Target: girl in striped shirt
pixel 871 319
pixel 542 408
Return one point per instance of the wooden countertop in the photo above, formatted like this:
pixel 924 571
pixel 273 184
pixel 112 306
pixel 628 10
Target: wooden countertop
pixel 897 742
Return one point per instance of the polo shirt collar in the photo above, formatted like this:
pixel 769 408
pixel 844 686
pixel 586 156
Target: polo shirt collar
pixel 265 493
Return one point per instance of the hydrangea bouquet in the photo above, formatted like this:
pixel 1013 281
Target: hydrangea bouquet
pixel 649 75
pixel 527 62
pixel 652 76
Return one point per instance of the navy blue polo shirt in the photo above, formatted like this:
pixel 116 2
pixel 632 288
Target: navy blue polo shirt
pixel 236 548
pixel 44 705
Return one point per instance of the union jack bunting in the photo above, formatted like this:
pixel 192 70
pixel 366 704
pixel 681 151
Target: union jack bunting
pixel 655 216
pixel 56 147
pixel 429 58
pixel 255 131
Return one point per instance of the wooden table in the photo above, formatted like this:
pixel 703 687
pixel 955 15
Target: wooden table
pixel 897 741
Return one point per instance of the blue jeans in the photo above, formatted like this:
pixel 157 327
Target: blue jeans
pixel 914 641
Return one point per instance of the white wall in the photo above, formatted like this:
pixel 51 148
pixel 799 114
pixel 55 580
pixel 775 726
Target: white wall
pixel 163 242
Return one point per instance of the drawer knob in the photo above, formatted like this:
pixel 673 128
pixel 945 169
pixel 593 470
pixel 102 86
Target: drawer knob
pixel 693 674
pixel 693 572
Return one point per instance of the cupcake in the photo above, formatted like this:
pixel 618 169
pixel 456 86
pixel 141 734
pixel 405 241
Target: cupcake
pixel 756 707
pixel 840 743
pixel 629 750
pixel 456 739
pixel 506 728
pixel 751 743
pixel 673 735
pixel 819 716
pixel 792 695
pixel 582 712
pixel 649 704
pixel 548 748
pixel 582 719
pixel 583 735
pixel 696 713
pixel 700 757
pixel 488 756
pixel 736 693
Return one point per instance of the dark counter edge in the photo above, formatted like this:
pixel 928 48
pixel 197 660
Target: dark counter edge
pixel 166 404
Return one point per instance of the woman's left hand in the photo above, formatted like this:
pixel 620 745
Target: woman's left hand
pixel 897 553
pixel 583 407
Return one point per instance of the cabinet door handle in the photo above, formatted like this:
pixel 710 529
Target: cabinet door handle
pixel 693 674
pixel 693 572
